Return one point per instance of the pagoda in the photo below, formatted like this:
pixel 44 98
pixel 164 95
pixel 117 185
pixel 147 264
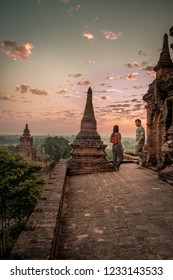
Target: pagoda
pixel 88 154
pixel 26 147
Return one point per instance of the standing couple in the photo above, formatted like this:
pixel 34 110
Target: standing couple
pixel 117 149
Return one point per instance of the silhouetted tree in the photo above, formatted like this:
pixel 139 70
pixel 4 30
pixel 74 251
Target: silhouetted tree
pixel 56 147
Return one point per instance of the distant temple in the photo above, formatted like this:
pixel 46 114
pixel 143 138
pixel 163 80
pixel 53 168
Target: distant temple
pixel 159 99
pixel 88 154
pixel 26 147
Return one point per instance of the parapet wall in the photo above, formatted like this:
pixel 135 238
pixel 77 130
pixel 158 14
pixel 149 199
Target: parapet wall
pixel 38 239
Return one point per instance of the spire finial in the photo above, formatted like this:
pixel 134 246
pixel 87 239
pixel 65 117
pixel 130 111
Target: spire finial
pixel 89 90
pixel 165 47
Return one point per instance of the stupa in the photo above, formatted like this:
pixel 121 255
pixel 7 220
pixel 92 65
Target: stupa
pixel 88 154
pixel 26 147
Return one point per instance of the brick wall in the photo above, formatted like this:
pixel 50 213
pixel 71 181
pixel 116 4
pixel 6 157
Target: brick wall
pixel 38 239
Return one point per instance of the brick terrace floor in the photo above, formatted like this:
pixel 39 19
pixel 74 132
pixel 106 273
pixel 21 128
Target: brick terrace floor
pixel 117 215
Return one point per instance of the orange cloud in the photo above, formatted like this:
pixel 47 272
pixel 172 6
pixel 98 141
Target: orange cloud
pixel 15 50
pixel 129 77
pixel 111 35
pixel 84 82
pixel 149 69
pixel 88 35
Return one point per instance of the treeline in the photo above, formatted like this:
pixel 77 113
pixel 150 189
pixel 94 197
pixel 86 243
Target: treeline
pixel 128 146
pixel 56 148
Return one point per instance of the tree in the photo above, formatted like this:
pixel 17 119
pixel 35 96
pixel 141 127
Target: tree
pixel 56 147
pixel 21 184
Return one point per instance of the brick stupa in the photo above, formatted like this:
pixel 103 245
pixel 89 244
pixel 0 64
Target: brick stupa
pixel 88 154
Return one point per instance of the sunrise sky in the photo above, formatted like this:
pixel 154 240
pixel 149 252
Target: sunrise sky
pixel 51 51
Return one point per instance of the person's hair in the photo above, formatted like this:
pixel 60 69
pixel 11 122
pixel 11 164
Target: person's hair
pixel 115 128
pixel 138 120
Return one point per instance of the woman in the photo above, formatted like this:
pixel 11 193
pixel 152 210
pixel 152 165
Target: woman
pixel 117 150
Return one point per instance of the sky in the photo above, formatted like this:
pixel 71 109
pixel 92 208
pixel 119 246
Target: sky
pixel 52 51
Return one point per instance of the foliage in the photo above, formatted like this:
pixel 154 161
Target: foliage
pixel 56 147
pixel 20 186
pixel 127 143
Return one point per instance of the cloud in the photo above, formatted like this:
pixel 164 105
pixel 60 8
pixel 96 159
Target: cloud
pixel 66 114
pixel 141 52
pixel 27 89
pixel 149 69
pixel 75 75
pixel 112 90
pixel 88 35
pixel 102 91
pixel 103 84
pixel 22 88
pixel 71 6
pixel 129 77
pixel 132 64
pixel 84 82
pixel 134 100
pixel 72 84
pixel 109 78
pixel 67 93
pixel 91 61
pixel 129 111
pixel 151 73
pixel 137 107
pixel 37 91
pixel 111 35
pixel 103 97
pixel 144 63
pixel 4 97
pixel 15 50
pixel 138 87
pixel 62 91
pixel 119 105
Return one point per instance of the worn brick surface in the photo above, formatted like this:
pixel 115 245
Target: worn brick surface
pixel 37 240
pixel 117 215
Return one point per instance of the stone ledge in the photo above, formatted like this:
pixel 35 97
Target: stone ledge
pixel 37 241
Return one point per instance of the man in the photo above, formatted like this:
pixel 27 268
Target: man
pixel 140 141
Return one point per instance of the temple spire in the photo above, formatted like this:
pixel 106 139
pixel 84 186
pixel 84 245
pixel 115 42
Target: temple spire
pixel 88 121
pixel 26 132
pixel 165 58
